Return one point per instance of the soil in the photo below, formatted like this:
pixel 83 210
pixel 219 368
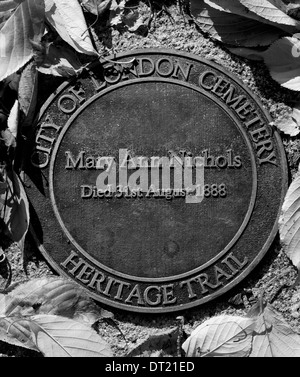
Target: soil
pixel 174 31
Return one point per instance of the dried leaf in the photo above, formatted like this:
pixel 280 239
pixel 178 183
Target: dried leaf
pixel 27 23
pixel 221 336
pixel 231 28
pixel 163 343
pixel 289 223
pixel 272 10
pixel 96 7
pixel 282 59
pixel 134 22
pixel 289 124
pixel 67 18
pixel 60 61
pixel 50 295
pixel 13 119
pixel 62 337
pixel 27 94
pixel 116 12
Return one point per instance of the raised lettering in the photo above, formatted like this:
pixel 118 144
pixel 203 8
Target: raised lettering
pixel 135 293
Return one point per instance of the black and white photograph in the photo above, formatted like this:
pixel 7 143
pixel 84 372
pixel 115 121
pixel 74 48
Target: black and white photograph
pixel 149 181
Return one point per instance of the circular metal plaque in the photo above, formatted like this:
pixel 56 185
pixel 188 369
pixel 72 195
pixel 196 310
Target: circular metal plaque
pixel 155 181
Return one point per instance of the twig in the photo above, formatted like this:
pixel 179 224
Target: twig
pixel 180 335
pixel 263 291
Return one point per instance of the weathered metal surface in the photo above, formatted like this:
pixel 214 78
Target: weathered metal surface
pixel 141 251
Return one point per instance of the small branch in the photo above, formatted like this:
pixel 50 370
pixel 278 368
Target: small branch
pixel 180 335
pixel 263 291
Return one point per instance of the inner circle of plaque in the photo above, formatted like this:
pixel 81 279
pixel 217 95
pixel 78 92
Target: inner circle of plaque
pixel 153 239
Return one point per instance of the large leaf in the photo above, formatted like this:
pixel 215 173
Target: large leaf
pixel 221 336
pixel 54 336
pixel 67 18
pixel 6 5
pixel 264 333
pixel 289 223
pixel 272 10
pixel 283 61
pixel 231 28
pixel 62 337
pixel 236 7
pixel 273 337
pixel 50 295
pixel 17 332
pixel 4 16
pixel 26 24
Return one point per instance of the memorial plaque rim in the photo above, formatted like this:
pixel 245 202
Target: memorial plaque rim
pixel 272 233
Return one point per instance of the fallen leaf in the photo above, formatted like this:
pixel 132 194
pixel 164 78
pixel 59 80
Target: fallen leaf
pixel 13 81
pixel 4 16
pixel 289 223
pixel 272 10
pixel 27 23
pixel 293 10
pixel 28 93
pixel 17 332
pixel 248 53
pixel 221 336
pixel 96 7
pixel 13 119
pixel 160 344
pixel 50 295
pixel 62 337
pixel 231 28
pixel 60 61
pixel 282 60
pixel 6 5
pixel 17 218
pixel 236 7
pixel 54 336
pixel 3 187
pixel 288 126
pixel 273 337
pixel 67 18
pixel 116 12
pixel 264 333
pixel 8 138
